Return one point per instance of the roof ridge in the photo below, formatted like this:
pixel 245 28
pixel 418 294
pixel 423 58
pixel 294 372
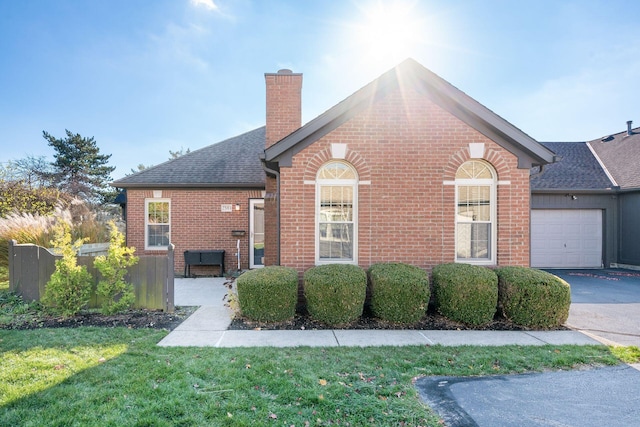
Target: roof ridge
pixel 604 168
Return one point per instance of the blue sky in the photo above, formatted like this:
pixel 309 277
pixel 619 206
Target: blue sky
pixel 147 76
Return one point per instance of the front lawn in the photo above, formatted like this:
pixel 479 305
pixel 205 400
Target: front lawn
pixel 117 376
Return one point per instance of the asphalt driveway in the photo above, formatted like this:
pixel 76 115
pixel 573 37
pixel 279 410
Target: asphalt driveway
pixel 605 304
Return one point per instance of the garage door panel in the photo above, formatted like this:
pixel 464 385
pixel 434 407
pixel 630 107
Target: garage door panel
pixel 566 238
pixel 556 245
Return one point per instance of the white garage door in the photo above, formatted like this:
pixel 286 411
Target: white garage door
pixel 566 238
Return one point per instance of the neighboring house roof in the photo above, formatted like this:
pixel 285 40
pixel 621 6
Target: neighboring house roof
pixel 576 169
pixel 232 163
pixel 411 74
pixel 620 155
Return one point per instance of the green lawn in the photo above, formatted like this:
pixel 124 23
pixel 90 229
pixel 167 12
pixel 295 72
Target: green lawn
pixel 119 377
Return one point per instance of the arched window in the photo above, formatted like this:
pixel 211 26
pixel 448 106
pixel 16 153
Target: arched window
pixel 475 213
pixel 336 213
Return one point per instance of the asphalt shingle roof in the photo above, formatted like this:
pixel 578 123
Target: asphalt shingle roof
pixel 620 154
pixel 234 162
pixel 577 169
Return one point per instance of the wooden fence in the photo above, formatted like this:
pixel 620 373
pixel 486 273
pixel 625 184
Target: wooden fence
pixel 31 266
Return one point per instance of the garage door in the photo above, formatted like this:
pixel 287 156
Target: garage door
pixel 566 238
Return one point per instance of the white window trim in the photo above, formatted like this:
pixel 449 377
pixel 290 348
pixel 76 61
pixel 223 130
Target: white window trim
pixel 146 224
pixel 493 216
pixel 351 182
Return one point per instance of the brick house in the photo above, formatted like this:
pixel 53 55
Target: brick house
pixel 408 168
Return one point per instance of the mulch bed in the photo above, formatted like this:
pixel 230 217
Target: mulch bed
pixel 431 321
pixel 135 319
pixel 140 319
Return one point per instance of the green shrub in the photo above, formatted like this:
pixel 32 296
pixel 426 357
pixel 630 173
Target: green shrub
pixel 268 294
pixel 117 294
pixel 399 292
pixel 465 293
pixel 335 293
pixel 69 288
pixel 533 298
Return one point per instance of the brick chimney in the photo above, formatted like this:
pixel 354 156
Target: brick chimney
pixel 284 104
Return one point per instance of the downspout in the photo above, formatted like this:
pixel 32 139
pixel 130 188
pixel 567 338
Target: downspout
pixel 277 175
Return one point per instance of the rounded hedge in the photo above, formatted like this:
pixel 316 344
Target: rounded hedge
pixel 533 298
pixel 335 293
pixel 399 292
pixel 465 293
pixel 268 294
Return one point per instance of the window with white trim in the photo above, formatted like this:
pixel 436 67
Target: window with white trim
pixel 157 224
pixel 475 213
pixel 336 213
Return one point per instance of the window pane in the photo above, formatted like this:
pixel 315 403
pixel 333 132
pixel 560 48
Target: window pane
pixel 158 227
pixel 474 241
pixel 158 212
pixel 474 203
pixel 336 203
pixel 474 170
pixel 336 241
pixel 336 170
pixel 158 235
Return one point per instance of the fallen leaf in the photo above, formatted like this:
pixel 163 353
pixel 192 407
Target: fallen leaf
pixel 322 382
pixel 273 416
pixel 102 360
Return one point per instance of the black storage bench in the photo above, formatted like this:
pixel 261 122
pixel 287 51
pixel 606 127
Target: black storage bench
pixel 203 257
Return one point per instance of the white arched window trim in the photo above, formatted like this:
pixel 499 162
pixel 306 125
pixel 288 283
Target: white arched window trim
pixel 476 224
pixel 336 219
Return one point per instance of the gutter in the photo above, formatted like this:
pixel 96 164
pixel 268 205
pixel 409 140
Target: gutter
pixel 275 173
pixel 255 185
pixel 613 190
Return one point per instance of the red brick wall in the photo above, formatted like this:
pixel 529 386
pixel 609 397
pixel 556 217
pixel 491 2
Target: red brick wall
pixel 406 146
pixel 196 223
pixel 271 222
pixel 284 115
pixel 284 104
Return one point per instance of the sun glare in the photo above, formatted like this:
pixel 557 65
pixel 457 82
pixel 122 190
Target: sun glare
pixel 389 31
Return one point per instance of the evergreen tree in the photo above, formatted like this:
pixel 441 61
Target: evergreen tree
pixel 80 169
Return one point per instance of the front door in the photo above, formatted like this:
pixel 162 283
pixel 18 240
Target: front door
pixel 256 234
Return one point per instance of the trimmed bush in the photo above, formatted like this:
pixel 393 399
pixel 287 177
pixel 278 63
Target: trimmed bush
pixel 399 292
pixel 335 293
pixel 118 294
pixel 533 298
pixel 268 294
pixel 465 293
pixel 69 287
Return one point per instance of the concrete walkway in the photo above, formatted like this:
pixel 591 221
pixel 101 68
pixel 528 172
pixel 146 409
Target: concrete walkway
pixel 207 327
